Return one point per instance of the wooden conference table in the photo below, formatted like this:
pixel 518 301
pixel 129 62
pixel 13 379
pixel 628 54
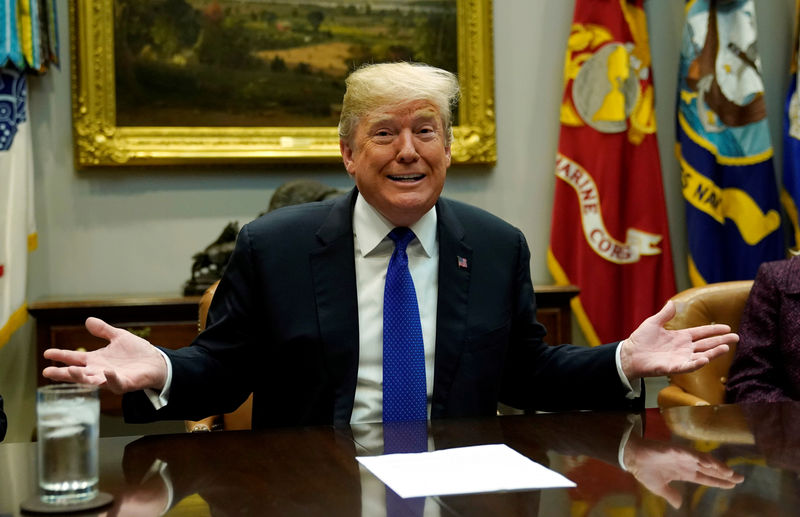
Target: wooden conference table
pixel 313 471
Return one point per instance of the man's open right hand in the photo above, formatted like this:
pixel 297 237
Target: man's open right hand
pixel 127 363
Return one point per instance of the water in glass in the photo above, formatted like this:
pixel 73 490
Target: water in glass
pixel 68 417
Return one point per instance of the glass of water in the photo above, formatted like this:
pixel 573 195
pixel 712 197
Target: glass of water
pixel 67 417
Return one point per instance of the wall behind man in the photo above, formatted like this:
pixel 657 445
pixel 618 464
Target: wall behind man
pixel 134 230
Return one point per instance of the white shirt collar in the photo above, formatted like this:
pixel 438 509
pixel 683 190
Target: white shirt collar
pixel 371 228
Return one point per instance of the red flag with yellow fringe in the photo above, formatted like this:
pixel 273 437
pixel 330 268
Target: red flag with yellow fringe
pixel 610 234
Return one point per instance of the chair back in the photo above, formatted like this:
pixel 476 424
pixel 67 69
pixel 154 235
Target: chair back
pixel 241 418
pixel 205 303
pixel 721 302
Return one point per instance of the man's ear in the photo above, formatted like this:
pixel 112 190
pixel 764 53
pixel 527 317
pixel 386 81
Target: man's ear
pixel 347 156
pixel 447 153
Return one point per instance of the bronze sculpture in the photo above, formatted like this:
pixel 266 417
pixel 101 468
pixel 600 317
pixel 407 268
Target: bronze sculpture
pixel 209 264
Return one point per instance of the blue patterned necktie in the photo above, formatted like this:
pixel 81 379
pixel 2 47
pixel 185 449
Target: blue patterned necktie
pixel 405 392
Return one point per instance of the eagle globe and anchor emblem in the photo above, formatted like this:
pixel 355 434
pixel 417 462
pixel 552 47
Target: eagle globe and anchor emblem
pixel 606 89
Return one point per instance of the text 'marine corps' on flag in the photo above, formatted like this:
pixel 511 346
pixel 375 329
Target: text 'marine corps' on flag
pixel 609 233
pixel 727 176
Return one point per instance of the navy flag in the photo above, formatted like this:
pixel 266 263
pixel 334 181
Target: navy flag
pixel 724 147
pixel 790 194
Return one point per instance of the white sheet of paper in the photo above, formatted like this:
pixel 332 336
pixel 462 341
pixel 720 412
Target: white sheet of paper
pixel 463 470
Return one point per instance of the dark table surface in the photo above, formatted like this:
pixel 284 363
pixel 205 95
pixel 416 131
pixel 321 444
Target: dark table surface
pixel 313 471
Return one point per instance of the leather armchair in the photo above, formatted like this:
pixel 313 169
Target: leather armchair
pixel 722 302
pixel 240 418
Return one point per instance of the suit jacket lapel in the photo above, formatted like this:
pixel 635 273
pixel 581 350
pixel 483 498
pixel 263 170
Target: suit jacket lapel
pixel 334 276
pixel 455 258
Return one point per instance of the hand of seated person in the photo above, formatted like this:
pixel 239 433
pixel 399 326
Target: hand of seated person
pixel 127 363
pixel 651 350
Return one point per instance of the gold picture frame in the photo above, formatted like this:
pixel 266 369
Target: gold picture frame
pixel 99 141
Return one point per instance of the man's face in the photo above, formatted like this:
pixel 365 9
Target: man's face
pixel 399 160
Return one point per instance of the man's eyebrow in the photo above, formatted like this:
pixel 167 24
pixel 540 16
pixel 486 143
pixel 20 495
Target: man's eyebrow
pixel 426 114
pixel 420 115
pixel 380 121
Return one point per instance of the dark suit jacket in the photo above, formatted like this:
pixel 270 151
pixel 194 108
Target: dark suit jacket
pixel 284 325
pixel 766 366
pixel 3 422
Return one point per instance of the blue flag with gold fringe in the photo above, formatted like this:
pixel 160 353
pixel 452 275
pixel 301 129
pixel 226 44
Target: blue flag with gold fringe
pixel 790 194
pixel 724 148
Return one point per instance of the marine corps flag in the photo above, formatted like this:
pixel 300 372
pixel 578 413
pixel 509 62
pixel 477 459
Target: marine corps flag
pixel 609 232
pixel 732 212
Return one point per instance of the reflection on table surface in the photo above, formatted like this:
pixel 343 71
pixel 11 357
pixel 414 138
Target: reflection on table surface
pixel 723 460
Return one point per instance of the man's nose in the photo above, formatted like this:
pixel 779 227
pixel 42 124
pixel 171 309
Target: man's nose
pixel 407 150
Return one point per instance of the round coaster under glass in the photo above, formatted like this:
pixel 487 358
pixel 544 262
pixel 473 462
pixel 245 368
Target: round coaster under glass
pixel 36 505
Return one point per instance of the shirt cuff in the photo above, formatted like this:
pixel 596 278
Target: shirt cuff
pixel 634 423
pixel 160 468
pixel 634 392
pixel 161 399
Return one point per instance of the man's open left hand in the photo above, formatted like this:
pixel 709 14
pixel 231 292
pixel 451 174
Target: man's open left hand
pixel 651 350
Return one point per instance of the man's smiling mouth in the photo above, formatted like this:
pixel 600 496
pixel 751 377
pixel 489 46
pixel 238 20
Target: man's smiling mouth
pixel 406 177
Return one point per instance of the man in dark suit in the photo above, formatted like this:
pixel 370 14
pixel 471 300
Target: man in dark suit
pixel 299 319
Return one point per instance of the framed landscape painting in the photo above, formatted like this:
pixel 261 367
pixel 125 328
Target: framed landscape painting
pixel 160 82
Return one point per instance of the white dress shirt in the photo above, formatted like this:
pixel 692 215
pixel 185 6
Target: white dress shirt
pixel 373 249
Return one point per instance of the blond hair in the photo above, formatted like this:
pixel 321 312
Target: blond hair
pixel 374 86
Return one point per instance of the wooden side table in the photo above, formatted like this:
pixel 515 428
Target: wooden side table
pixel 553 311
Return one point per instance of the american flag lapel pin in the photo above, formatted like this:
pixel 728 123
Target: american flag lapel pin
pixel 462 262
